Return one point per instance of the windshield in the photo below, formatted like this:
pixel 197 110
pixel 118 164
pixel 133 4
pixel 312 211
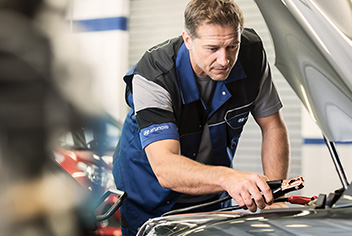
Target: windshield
pixel 103 135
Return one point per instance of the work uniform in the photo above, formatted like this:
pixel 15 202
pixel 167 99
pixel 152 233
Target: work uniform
pixel 166 103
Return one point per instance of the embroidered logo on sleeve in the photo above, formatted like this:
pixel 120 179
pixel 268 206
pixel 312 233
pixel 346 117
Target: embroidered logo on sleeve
pixel 155 129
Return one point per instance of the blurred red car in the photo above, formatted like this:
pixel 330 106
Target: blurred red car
pixel 86 154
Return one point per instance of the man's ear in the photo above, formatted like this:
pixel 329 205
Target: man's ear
pixel 187 39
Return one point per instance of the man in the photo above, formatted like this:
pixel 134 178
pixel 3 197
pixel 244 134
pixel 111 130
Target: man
pixel 190 98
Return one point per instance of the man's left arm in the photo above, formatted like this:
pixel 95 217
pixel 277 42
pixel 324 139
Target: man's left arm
pixel 275 146
pixel 275 149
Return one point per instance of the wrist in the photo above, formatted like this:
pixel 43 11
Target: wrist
pixel 226 177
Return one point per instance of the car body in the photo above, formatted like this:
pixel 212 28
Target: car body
pixel 283 222
pixel 313 46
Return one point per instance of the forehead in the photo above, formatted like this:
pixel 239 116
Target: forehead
pixel 213 33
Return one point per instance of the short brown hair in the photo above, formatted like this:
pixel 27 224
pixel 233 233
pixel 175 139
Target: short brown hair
pixel 218 12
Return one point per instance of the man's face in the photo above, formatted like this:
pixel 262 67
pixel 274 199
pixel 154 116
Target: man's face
pixel 214 52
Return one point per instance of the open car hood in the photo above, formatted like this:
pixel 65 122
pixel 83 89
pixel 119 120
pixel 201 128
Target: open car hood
pixel 313 46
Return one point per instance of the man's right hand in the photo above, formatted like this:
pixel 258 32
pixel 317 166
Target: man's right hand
pixel 249 190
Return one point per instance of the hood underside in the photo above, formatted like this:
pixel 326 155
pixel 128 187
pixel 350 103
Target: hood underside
pixel 313 49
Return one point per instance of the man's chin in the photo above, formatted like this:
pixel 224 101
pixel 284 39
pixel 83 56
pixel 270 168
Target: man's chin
pixel 219 77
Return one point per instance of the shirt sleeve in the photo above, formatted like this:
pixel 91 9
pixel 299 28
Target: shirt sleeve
pixel 153 110
pixel 268 100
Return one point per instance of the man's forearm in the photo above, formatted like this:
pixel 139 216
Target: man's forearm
pixel 184 175
pixel 276 153
pixel 275 158
pixel 275 146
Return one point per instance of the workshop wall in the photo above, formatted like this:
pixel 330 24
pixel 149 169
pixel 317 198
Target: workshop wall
pixel 101 28
pixel 317 166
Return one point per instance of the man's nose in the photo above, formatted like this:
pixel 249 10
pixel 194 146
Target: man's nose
pixel 222 57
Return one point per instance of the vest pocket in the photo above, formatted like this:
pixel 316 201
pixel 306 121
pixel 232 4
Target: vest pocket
pixel 236 121
pixel 234 128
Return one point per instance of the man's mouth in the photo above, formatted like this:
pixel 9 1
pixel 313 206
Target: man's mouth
pixel 221 69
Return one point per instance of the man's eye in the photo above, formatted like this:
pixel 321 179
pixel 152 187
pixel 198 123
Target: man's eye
pixel 212 49
pixel 233 47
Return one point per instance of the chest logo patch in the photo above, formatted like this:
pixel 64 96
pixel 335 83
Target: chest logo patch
pixel 237 121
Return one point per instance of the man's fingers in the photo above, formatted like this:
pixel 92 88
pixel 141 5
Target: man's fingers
pixel 259 200
pixel 252 191
pixel 245 201
pixel 239 201
pixel 249 202
pixel 257 196
pixel 266 191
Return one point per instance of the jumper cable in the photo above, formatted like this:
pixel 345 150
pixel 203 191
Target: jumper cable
pixel 279 188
